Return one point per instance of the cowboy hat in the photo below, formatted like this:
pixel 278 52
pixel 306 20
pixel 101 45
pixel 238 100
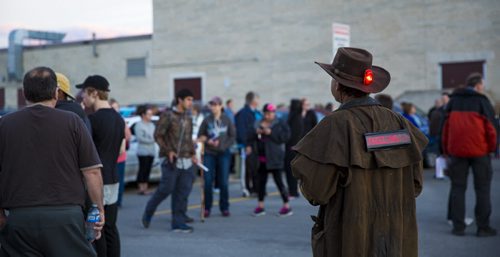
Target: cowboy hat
pixel 352 67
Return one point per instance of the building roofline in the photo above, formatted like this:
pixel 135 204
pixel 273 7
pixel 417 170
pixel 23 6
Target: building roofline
pixel 86 42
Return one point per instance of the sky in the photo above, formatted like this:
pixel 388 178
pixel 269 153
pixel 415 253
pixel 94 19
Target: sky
pixel 78 19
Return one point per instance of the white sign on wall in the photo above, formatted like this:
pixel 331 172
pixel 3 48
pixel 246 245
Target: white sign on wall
pixel 341 36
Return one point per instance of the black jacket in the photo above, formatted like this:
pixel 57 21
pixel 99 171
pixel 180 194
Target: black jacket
pixel 275 146
pixel 76 108
pixel 295 123
pixel 310 121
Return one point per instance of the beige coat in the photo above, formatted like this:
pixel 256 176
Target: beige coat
pixel 367 198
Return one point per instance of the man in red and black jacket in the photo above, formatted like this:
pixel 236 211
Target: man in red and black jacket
pixel 469 136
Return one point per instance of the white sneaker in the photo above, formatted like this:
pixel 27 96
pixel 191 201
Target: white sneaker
pixel 468 221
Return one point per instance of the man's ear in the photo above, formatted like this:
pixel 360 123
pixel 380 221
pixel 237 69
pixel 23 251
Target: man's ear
pixel 93 94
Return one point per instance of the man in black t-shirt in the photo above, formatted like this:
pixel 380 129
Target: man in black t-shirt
pixel 63 103
pixel 46 157
pixel 109 139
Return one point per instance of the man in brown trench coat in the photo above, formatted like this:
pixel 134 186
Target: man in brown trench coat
pixel 363 166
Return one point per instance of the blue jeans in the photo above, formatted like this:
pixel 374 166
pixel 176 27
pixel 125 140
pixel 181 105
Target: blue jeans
pixel 120 168
pixel 219 163
pixel 177 182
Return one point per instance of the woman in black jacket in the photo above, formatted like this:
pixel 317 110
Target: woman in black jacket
pixel 301 120
pixel 270 138
pixel 309 119
pixel 296 125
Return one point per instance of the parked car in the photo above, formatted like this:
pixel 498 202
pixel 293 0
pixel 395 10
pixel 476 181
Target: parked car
pixel 6 111
pixel 128 111
pixel 132 164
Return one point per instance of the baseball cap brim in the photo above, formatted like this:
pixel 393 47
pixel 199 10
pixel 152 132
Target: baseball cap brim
pixel 67 93
pixel 83 86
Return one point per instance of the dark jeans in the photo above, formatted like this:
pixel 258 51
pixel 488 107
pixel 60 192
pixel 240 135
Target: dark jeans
pixel 232 169
pixel 252 174
pixel 218 166
pixel 109 243
pixel 145 164
pixel 290 179
pixel 177 182
pixel 45 231
pixel 459 171
pixel 120 168
pixel 263 174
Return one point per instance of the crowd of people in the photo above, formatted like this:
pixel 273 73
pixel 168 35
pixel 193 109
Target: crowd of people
pixel 101 137
pixel 264 140
pixel 344 163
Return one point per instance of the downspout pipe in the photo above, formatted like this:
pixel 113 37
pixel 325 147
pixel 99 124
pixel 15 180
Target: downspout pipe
pixel 15 67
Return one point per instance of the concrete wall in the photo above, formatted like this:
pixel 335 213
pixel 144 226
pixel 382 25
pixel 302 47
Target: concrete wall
pixel 270 46
pixel 77 61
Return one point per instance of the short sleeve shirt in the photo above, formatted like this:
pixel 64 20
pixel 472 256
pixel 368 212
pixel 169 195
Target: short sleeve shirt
pixel 42 154
pixel 108 134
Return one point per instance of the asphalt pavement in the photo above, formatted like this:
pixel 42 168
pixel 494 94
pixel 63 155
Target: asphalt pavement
pixel 243 235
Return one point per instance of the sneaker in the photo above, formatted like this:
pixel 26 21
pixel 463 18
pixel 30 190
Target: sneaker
pixel 259 212
pixel 458 231
pixel 146 220
pixel 285 212
pixel 226 213
pixel 485 232
pixel 468 221
pixel 245 193
pixel 206 213
pixel 182 228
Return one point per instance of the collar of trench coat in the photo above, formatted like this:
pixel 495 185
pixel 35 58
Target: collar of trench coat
pixel 342 140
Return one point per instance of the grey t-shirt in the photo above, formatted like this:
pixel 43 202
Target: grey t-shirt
pixel 144 132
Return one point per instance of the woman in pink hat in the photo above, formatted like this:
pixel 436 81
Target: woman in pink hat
pixel 269 139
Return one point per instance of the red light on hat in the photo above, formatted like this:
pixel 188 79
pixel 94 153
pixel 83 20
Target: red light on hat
pixel 368 79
